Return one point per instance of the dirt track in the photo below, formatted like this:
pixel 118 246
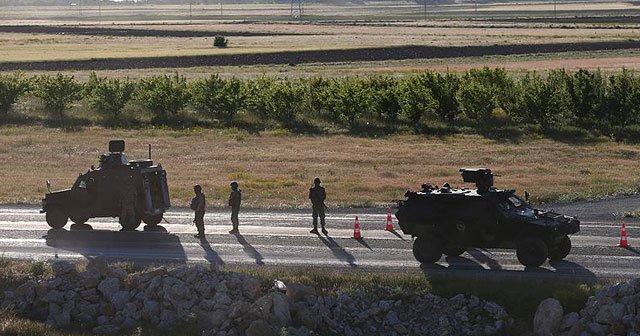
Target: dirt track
pixel 317 56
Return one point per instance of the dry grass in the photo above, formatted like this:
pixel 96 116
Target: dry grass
pixel 276 171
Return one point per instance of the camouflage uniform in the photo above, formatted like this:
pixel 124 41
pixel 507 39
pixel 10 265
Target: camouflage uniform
pixel 235 198
pixel 198 205
pixel 128 198
pixel 317 195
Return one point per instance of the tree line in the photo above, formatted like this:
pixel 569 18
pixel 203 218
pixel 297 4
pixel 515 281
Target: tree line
pixel 479 100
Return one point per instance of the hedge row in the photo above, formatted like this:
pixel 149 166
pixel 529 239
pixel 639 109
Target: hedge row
pixel 582 101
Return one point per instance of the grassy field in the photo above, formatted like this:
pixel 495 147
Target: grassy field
pixel 275 169
pixel 40 47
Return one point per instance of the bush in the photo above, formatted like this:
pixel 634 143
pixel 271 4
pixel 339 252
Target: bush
pixel 11 88
pixel 164 96
pixel 220 41
pixel 109 96
pixel 416 100
pixel 58 92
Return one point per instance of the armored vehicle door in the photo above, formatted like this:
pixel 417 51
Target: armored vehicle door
pixel 476 222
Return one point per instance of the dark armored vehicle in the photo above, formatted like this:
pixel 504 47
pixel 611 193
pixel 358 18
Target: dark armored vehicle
pixel 446 220
pixel 139 186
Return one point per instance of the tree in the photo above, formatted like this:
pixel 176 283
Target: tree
pixel 164 96
pixel 384 98
pixel 11 88
pixel 219 98
pixel 109 96
pixel 622 100
pixel 587 91
pixel 58 92
pixel 347 101
pixel 546 101
pixel 416 100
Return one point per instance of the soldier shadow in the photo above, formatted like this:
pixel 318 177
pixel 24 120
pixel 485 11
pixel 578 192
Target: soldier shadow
pixel 136 246
pixel 339 251
pixel 210 255
pixel 249 249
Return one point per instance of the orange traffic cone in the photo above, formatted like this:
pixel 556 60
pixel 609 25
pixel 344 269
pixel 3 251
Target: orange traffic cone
pixel 623 237
pixel 389 226
pixel 356 229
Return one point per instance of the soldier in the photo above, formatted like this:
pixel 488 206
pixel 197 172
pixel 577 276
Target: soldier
pixel 235 198
pixel 198 205
pixel 128 198
pixel 317 195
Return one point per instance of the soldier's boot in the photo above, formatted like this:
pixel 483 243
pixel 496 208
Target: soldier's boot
pixel 324 230
pixel 234 230
pixel 315 230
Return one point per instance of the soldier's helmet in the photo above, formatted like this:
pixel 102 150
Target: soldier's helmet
pixel 197 188
pixel 426 186
pixel 317 180
pixel 233 184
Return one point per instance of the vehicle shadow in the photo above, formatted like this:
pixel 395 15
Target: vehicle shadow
pixel 137 246
pixel 631 249
pixel 339 251
pixel 249 249
pixel 210 255
pixel 466 268
pixel 482 256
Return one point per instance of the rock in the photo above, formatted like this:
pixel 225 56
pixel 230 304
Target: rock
pixel 548 317
pixel 62 267
pixel 168 319
pixel 617 312
pixel 119 299
pixel 107 329
pixel 260 328
pixel 392 318
pixel 251 288
pixel 303 316
pixel 118 273
pixel 217 318
pixel 238 309
pixel 150 308
pixel 400 329
pixel 495 310
pixel 279 286
pixel 54 296
pixel 302 331
pixel 98 266
pixel 222 298
pixel 26 292
pixel 569 320
pixel 102 320
pixel 273 308
pixel 297 292
pixel 626 289
pixel 109 286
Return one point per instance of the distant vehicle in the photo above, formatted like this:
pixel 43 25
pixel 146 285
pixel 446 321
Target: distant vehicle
pixel 446 220
pixel 98 192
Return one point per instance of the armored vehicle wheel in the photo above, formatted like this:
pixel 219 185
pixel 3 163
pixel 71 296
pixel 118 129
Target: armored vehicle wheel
pixel 56 217
pixel 532 251
pixel 427 248
pixel 152 220
pixel 131 225
pixel 78 220
pixel 561 249
pixel 454 251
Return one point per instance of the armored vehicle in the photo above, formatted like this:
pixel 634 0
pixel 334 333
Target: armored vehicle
pixel 134 191
pixel 447 220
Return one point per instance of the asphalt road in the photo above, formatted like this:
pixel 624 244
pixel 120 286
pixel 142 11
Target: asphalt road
pixel 282 238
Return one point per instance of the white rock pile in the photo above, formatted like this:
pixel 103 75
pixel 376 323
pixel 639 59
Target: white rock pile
pixel 614 310
pixel 108 299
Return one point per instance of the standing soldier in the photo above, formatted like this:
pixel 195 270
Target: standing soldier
pixel 235 198
pixel 128 198
pixel 198 205
pixel 317 195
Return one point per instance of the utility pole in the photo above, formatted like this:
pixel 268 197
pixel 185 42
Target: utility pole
pixel 555 10
pixel 425 10
pixel 220 7
pixel 190 1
